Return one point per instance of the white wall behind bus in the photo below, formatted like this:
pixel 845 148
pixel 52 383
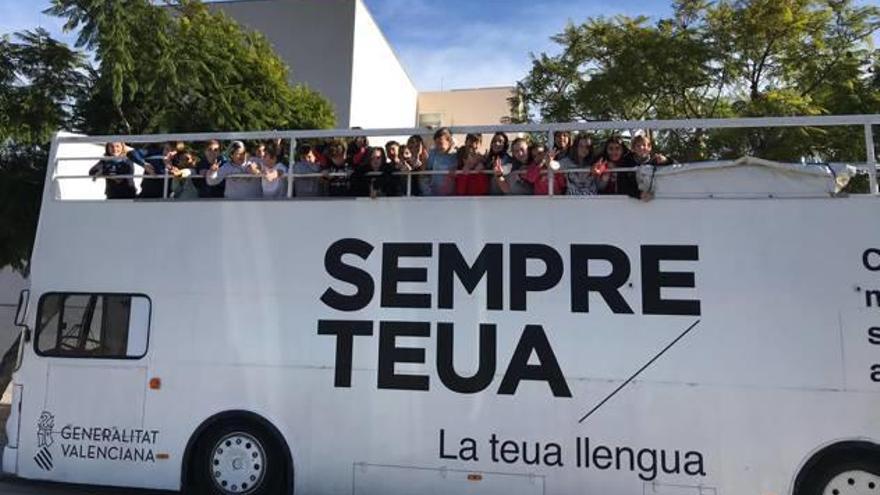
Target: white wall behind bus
pixel 382 94
pixel 315 39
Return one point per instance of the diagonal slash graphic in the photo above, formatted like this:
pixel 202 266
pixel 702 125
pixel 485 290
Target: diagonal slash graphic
pixel 637 373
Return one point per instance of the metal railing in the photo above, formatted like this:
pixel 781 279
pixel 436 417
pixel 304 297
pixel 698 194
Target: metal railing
pixel 550 129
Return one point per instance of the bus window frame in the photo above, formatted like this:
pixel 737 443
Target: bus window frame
pixel 38 330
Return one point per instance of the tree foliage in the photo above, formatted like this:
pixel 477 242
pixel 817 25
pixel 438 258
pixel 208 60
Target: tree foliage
pixel 184 68
pixel 180 68
pixel 40 82
pixel 725 58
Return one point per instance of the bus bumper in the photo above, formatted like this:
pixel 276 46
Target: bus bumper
pixel 10 460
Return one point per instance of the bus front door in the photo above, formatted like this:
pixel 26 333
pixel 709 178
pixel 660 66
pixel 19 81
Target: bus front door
pixel 87 421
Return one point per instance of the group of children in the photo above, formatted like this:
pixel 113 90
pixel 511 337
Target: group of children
pixel 336 168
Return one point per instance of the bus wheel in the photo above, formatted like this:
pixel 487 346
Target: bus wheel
pixel 238 458
pixel 850 472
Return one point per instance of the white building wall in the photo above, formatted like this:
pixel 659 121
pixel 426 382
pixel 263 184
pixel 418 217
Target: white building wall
pixel 382 94
pixel 314 38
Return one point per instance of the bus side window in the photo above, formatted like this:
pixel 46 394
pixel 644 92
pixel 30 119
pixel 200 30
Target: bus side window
pixel 93 325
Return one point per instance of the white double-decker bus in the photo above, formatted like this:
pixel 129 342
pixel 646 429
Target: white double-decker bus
pixel 723 338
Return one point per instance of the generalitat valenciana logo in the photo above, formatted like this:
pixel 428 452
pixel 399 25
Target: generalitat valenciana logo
pixel 45 425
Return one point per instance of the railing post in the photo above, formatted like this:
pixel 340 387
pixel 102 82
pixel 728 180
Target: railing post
pixel 872 158
pixel 290 167
pixel 164 181
pixel 409 180
pixel 550 182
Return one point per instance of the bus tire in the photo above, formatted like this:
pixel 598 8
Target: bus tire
pixel 237 457
pixel 847 469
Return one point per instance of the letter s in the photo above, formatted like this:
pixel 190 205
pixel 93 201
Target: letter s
pixel 874 335
pixel 337 269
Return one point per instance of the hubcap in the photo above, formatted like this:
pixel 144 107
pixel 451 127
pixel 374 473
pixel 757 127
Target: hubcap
pixel 238 463
pixel 853 483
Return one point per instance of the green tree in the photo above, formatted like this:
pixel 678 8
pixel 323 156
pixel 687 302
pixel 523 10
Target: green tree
pixel 40 80
pixel 195 70
pixel 726 58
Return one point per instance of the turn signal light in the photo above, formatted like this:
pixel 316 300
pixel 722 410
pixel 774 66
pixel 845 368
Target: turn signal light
pixel 155 383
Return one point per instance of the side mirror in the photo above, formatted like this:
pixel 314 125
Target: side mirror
pixel 21 313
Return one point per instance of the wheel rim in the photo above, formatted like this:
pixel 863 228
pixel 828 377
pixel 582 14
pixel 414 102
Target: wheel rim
pixel 238 463
pixel 853 483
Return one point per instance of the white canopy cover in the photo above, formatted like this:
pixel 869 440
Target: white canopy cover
pixel 747 176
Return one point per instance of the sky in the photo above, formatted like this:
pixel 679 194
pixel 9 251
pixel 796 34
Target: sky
pixel 463 44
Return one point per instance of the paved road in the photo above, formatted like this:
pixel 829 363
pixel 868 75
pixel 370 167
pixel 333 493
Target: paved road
pixel 9 486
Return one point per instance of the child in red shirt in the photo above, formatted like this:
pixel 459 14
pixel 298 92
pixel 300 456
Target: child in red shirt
pixel 538 173
pixel 470 180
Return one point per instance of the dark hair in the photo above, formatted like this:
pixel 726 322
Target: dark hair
pixel 178 158
pixel 477 138
pixel 533 149
pixel 462 154
pixel 615 139
pixel 562 133
pixel 415 138
pixel 272 151
pixel 443 131
pixel 573 154
pixel 381 151
pixel 303 150
pixel 388 147
pixel 236 146
pixel 515 143
pixel 369 158
pixel 503 135
pixel 336 148
pixel 213 142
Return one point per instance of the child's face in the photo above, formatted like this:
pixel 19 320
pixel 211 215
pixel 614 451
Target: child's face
pixel 615 151
pixel 406 154
pixel 309 157
pixel 393 151
pixel 472 159
pixel 116 149
pixel 473 143
pixel 238 157
pixel 498 144
pixel 376 161
pixel 212 152
pixel 538 154
pixel 443 142
pixel 583 148
pixel 562 140
pixel 261 152
pixel 188 161
pixel 521 152
pixel 642 147
pixel 270 161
